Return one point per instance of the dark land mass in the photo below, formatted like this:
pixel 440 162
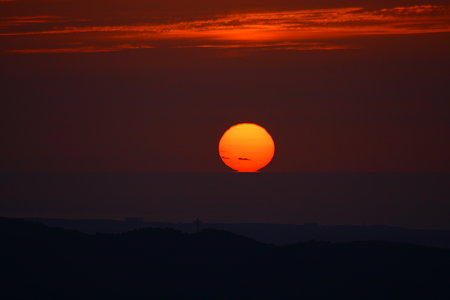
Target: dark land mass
pixel 40 262
pixel 279 234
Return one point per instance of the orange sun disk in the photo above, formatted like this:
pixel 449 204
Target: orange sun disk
pixel 246 147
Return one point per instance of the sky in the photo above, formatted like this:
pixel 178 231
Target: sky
pixel 150 86
pixel 406 200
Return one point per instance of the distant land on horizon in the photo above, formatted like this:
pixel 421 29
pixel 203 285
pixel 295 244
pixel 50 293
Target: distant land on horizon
pixel 420 201
pixel 279 234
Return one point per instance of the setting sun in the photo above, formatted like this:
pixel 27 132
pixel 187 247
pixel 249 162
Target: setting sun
pixel 246 147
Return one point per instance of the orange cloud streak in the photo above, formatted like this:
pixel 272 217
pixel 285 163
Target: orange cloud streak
pixel 274 28
pixel 19 21
pixel 87 49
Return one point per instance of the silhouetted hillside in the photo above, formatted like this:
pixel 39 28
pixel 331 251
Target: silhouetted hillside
pixel 270 233
pixel 39 262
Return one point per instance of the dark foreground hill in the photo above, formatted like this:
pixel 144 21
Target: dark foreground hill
pixel 39 262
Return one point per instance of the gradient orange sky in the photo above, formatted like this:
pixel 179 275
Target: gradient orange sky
pixel 344 86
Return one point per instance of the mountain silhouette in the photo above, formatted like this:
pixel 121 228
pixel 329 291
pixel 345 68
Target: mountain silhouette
pixel 280 234
pixel 40 262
